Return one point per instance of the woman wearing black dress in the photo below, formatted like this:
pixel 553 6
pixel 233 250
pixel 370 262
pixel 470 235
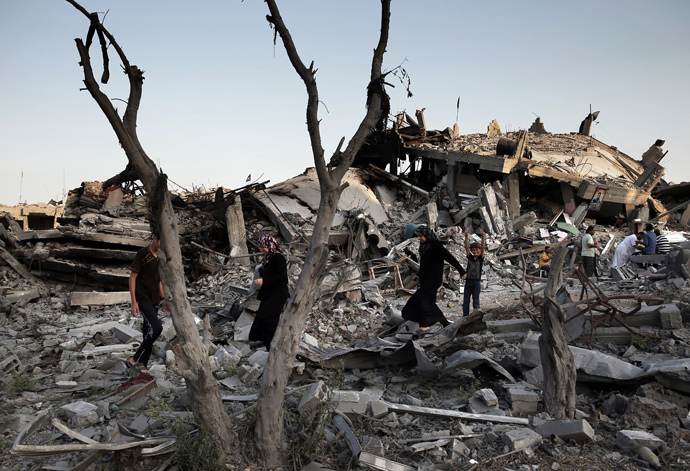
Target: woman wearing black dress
pixel 421 307
pixel 273 292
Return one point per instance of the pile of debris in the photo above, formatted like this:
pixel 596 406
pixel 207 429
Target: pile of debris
pixel 464 396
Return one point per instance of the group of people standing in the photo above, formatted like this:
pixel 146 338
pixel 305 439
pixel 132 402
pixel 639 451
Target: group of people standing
pixel 421 307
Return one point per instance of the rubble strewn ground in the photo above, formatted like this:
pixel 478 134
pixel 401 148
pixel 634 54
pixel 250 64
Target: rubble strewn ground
pixel 365 393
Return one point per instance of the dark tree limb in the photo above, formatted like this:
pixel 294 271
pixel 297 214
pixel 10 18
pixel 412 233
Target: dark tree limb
pixel 556 358
pixel 269 427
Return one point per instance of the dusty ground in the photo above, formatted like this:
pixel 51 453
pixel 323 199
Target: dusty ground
pixel 390 436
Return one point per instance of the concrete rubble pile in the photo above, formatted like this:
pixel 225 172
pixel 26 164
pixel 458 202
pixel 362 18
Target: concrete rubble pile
pixel 466 395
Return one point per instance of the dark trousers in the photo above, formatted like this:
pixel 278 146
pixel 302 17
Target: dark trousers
pixel 588 264
pixel 151 328
pixel 546 268
pixel 472 289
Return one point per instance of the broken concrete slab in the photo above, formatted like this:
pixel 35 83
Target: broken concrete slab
pixel 633 439
pixel 521 439
pixel 577 430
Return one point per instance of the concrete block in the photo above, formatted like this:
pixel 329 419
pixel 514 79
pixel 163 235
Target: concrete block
pixel 633 439
pixel 477 406
pixel 142 424
pixel 488 396
pixel 520 438
pixel 378 409
pixel 9 367
pixel 81 414
pixel 228 356
pixel 535 376
pixel 316 395
pixel 258 358
pixel 351 402
pixel 671 317
pixel 577 430
pixel 232 382
pixel 511 325
pixel 125 333
pixel 522 400
pixel 252 373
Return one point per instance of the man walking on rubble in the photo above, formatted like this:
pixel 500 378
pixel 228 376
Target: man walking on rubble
pixel 146 291
pixel 588 253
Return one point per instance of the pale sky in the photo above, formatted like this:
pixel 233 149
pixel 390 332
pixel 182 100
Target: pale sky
pixel 222 102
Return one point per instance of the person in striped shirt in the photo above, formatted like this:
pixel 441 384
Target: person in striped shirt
pixel 662 243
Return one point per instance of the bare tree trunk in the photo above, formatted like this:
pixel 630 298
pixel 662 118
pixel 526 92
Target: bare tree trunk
pixel 556 358
pixel 269 427
pixel 191 353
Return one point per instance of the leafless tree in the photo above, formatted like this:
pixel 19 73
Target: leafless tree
pixel 191 352
pixel 269 428
pixel 556 358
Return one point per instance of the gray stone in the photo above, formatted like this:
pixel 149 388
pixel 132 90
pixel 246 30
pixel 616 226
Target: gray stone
pixel 260 358
pixel 521 438
pixel 142 424
pixel 577 430
pixel 351 402
pixel 458 450
pixel 252 373
pixel 81 414
pixel 9 367
pixel 316 395
pixel 126 334
pixel 488 396
pixel 633 439
pixel 522 400
pixel 228 356
pixel 378 409
pixel 233 382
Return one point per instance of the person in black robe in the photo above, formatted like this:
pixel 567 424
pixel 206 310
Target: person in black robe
pixel 421 307
pixel 273 292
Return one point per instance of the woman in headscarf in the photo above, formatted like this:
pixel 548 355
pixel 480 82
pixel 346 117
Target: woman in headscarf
pixel 273 291
pixel 421 307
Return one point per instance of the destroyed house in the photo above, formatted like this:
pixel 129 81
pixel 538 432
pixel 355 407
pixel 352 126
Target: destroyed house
pixel 561 171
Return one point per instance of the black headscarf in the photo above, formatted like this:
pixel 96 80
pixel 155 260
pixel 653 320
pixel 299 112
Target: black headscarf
pixel 428 234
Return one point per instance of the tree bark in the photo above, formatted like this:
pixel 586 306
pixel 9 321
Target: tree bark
pixel 269 426
pixel 191 353
pixel 556 358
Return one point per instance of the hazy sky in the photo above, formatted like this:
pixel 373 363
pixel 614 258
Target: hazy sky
pixel 221 101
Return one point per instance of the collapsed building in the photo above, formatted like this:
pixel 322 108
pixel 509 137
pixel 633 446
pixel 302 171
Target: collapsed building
pixel 402 401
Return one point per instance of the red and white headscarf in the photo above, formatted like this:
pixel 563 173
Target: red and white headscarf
pixel 271 244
